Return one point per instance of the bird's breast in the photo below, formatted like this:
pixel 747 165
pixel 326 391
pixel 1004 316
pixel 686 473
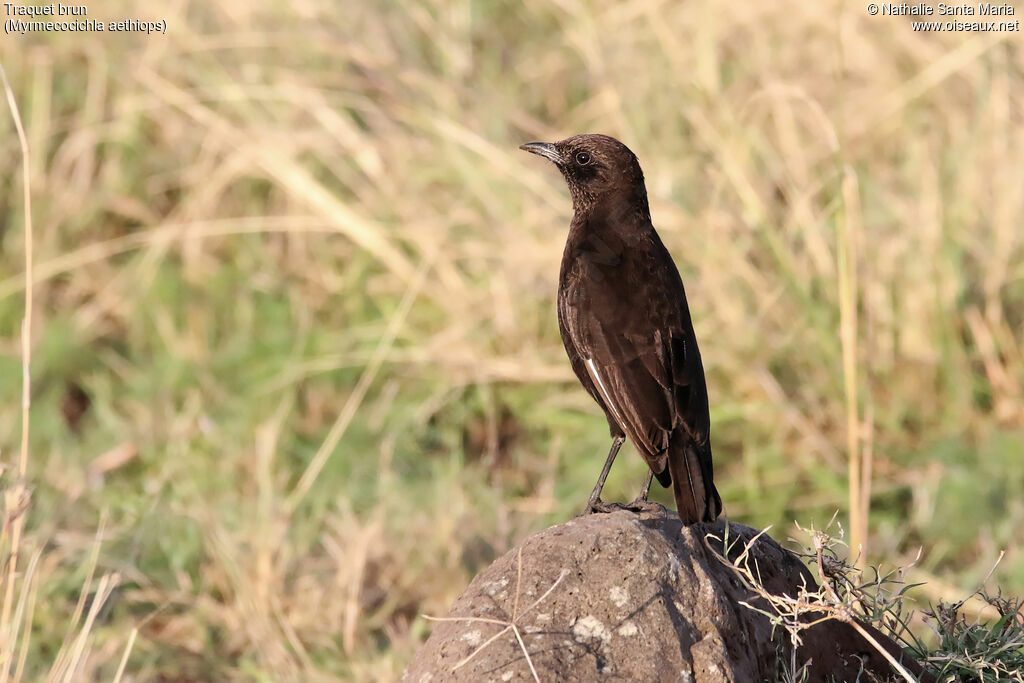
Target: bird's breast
pixel 620 283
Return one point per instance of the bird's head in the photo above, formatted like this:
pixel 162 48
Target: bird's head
pixel 597 168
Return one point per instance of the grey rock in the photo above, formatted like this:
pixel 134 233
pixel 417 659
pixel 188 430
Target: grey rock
pixel 635 596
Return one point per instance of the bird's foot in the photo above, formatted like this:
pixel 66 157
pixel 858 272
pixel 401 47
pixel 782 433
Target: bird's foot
pixel 598 505
pixel 643 505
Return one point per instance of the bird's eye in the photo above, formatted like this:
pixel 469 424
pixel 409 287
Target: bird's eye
pixel 582 158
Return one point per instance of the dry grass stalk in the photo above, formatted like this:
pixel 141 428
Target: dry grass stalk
pixel 808 608
pixel 509 625
pixel 17 522
pixel 846 268
pixel 17 497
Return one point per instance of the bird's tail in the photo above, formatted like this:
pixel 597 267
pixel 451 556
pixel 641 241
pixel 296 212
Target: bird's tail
pixel 693 485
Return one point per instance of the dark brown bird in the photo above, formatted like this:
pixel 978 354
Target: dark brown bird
pixel 626 326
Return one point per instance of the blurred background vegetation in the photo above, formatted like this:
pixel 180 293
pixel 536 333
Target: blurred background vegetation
pixel 296 371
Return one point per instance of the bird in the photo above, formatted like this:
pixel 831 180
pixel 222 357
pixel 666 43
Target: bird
pixel 626 327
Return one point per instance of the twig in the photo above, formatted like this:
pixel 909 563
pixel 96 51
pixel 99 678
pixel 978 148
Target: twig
pixel 881 650
pixel 511 625
pixel 519 579
pixel 526 654
pixel 792 613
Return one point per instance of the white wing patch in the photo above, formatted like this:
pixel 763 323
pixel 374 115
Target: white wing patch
pixel 592 371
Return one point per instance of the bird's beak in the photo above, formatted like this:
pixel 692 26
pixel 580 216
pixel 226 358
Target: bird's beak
pixel 544 149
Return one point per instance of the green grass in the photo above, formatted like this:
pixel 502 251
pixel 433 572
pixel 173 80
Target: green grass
pixel 276 220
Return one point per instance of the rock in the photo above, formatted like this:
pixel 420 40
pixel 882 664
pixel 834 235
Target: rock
pixel 636 596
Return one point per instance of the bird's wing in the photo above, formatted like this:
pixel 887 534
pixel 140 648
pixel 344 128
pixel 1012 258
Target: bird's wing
pixel 646 373
pixel 689 391
pixel 674 360
pixel 652 391
pixel 579 365
pixel 651 385
pixel 639 400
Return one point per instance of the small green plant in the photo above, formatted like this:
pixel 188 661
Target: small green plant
pixel 843 594
pixel 971 651
pixel 960 649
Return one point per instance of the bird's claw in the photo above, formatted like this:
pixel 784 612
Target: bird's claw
pixel 639 505
pixel 642 505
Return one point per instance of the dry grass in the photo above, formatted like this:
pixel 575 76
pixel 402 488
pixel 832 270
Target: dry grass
pixel 837 597
pixel 509 625
pixel 295 262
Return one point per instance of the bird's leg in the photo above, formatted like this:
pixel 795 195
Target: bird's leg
pixel 595 504
pixel 647 487
pixel 641 503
